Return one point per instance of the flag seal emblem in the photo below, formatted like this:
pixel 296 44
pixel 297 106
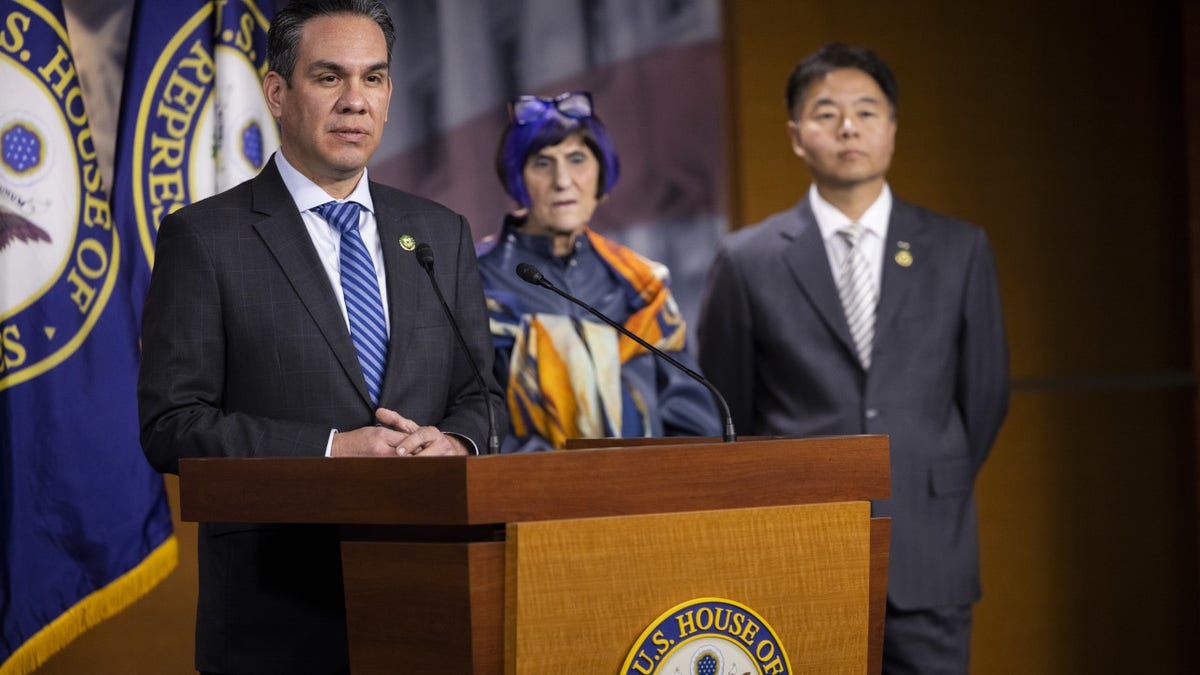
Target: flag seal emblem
pixel 202 124
pixel 58 246
pixel 708 636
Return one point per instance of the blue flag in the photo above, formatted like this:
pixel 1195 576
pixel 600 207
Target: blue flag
pixel 193 118
pixel 85 528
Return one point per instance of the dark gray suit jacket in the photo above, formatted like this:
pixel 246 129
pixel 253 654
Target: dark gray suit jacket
pixel 774 339
pixel 246 353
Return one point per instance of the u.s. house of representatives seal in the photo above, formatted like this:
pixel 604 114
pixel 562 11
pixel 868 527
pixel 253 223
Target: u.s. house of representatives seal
pixel 58 249
pixel 202 123
pixel 708 636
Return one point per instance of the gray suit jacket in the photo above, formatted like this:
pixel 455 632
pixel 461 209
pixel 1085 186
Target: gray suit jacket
pixel 246 353
pixel 774 339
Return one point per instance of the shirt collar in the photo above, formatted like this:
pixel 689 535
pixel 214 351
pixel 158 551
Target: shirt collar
pixel 830 219
pixel 308 195
pixel 539 244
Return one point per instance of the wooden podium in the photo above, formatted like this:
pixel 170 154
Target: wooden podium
pixel 557 561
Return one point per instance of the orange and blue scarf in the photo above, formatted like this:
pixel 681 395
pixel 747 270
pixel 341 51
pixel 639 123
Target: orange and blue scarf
pixel 565 374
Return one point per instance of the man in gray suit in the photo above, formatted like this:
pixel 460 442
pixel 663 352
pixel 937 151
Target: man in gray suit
pixel 854 312
pixel 289 317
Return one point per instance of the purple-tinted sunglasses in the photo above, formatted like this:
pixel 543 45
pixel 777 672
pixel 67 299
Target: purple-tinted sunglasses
pixel 573 104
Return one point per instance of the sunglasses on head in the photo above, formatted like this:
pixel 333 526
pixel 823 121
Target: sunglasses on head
pixel 573 104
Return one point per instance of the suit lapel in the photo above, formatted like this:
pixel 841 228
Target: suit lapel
pixel 403 275
pixel 906 242
pixel 805 256
pixel 284 234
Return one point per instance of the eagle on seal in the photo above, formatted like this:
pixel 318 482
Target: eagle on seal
pixel 14 226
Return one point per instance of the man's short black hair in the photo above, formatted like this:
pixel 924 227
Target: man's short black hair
pixel 835 56
pixel 283 37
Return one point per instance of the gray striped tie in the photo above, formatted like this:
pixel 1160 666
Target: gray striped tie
pixel 857 292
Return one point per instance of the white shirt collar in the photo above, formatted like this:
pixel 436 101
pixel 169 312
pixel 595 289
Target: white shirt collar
pixel 830 219
pixel 309 195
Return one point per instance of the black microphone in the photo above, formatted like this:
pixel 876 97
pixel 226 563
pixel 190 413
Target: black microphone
pixel 425 258
pixel 532 275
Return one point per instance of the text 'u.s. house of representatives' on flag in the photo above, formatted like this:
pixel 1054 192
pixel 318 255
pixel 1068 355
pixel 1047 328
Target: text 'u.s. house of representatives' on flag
pixel 85 528
pixel 193 118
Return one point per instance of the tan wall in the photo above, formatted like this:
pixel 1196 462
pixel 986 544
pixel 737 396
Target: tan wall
pixel 1058 128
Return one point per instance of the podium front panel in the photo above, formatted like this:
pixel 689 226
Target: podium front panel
pixel 580 593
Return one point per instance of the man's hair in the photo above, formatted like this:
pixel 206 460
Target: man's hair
pixel 519 142
pixel 283 38
pixel 835 56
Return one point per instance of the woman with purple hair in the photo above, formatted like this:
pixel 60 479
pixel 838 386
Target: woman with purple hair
pixel 567 375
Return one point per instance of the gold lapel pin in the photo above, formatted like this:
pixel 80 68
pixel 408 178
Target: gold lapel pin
pixel 904 256
pixel 407 242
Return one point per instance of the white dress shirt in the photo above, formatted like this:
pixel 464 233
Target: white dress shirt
pixel 327 240
pixel 875 225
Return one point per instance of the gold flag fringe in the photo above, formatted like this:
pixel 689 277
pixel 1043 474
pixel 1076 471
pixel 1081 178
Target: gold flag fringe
pixel 91 610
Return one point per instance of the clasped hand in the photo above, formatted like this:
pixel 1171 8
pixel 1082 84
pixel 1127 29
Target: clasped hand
pixel 395 436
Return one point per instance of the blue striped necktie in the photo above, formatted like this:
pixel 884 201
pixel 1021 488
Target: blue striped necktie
pixel 360 286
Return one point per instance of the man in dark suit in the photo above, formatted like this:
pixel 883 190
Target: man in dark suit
pixel 857 313
pixel 269 333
